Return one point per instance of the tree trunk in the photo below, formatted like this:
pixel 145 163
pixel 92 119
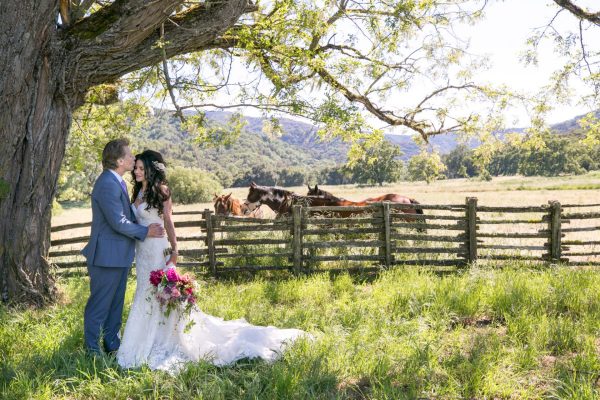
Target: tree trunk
pixel 34 122
pixel 45 73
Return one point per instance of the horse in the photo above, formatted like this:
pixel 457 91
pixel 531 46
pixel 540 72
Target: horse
pixel 228 206
pixel 391 197
pixel 281 201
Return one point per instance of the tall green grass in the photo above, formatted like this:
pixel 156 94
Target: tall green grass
pixel 518 332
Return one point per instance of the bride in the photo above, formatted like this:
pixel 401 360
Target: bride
pixel 162 342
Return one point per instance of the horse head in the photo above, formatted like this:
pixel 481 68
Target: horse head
pixel 256 195
pixel 313 191
pixel 322 193
pixel 278 199
pixel 223 204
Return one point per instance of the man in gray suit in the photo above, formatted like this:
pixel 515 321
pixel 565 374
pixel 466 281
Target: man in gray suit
pixel 111 248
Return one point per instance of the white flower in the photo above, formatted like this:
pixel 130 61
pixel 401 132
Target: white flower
pixel 159 166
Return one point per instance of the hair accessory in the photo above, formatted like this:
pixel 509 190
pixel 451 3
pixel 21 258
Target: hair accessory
pixel 159 166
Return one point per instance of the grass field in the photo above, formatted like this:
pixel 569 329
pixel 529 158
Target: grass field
pixel 518 332
pixel 521 331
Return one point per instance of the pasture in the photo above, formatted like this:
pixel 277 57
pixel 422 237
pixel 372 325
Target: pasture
pixel 525 331
pixel 516 332
pixel 500 191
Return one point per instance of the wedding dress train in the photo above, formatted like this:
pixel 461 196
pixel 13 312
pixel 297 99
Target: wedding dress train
pixel 162 343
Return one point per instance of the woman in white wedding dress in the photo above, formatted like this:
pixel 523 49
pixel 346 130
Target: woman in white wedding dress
pixel 150 338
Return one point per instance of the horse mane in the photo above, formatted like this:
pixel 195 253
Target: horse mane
pixel 280 191
pixel 328 195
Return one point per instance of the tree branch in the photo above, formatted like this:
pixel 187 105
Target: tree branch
pixel 579 12
pixel 165 66
pixel 122 24
pixel 116 45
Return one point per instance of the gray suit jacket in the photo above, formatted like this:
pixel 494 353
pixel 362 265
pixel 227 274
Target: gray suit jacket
pixel 114 231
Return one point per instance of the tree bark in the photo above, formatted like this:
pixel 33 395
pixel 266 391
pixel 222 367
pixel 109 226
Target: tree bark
pixel 46 72
pixel 34 122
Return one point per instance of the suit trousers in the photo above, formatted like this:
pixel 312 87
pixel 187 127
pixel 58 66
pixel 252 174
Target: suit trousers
pixel 104 309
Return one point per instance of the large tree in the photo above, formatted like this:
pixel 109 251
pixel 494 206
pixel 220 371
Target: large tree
pixel 48 65
pixel 342 63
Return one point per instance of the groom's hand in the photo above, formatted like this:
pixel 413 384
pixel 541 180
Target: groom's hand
pixel 156 231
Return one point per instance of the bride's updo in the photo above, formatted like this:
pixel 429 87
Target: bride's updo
pixel 154 172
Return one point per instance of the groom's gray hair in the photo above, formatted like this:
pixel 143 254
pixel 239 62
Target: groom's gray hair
pixel 113 150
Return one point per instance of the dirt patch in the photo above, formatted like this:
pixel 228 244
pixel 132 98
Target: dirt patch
pixel 477 322
pixel 355 388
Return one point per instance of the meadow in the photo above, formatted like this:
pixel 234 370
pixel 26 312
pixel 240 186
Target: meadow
pixel 518 330
pixel 513 190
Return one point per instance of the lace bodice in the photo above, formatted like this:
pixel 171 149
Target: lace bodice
pixel 147 217
pixel 149 254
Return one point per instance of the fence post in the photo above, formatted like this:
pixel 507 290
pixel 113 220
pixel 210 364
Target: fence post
pixel 554 226
pixel 471 229
pixel 210 241
pixel 297 237
pixel 387 250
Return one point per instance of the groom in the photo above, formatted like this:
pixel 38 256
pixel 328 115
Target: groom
pixel 111 248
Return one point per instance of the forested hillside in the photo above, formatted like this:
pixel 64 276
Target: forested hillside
pixel 294 155
pixel 298 154
pixel 301 138
pixel 297 149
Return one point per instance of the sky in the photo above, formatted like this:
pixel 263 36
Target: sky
pixel 502 35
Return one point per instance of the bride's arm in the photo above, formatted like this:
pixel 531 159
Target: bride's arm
pixel 170 227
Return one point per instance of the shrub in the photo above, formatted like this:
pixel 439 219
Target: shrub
pixel 192 185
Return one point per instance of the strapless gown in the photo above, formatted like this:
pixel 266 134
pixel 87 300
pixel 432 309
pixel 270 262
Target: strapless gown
pixel 163 343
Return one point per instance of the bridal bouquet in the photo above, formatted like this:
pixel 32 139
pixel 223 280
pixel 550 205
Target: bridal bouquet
pixel 174 291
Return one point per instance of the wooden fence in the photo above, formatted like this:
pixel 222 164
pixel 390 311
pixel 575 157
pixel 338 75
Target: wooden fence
pixel 377 236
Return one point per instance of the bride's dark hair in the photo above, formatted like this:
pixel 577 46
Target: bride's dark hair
pixel 154 172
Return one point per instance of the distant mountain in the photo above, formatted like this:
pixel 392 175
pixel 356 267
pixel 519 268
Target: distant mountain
pixel 298 147
pixel 446 143
pixel 571 125
pixel 304 136
pixel 296 133
pixel 442 143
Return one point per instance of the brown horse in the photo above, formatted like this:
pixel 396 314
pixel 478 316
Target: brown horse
pixel 227 205
pixel 391 197
pixel 281 201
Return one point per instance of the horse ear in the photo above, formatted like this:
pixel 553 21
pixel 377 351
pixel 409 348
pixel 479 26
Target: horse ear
pixel 215 196
pixel 316 187
pixel 252 184
pixel 228 196
pixel 309 189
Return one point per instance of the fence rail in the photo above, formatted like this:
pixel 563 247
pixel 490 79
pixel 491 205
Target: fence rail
pixel 381 235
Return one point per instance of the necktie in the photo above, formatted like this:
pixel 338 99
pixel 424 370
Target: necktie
pixel 124 187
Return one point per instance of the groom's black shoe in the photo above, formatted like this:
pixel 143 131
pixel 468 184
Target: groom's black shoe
pixel 92 353
pixel 111 353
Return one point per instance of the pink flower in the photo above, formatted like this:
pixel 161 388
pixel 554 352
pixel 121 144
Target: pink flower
pixel 172 275
pixel 156 277
pixel 172 289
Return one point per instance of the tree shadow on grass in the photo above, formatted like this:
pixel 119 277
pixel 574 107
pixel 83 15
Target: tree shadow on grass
pixel 67 371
